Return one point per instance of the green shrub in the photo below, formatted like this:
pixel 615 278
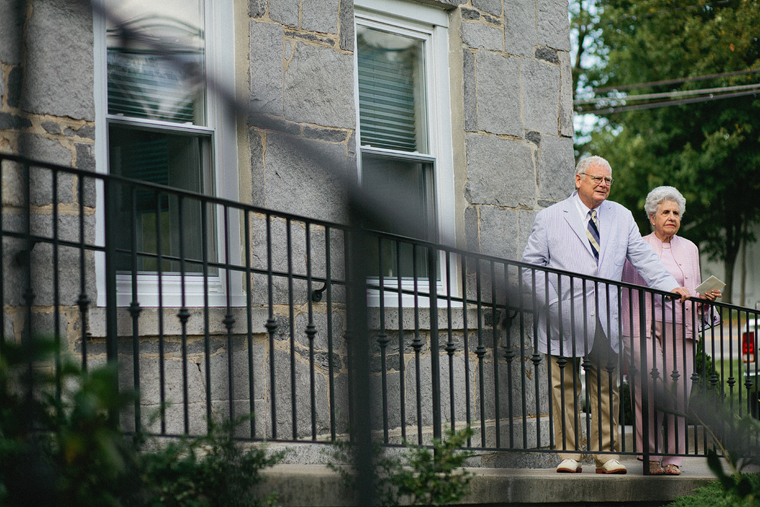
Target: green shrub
pixel 213 470
pixel 419 476
pixel 705 368
pixel 713 495
pixel 59 446
pixel 735 439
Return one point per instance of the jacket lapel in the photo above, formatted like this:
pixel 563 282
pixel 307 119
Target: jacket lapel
pixel 573 218
pixel 606 223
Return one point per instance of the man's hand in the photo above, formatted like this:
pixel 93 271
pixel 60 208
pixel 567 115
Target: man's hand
pixel 683 292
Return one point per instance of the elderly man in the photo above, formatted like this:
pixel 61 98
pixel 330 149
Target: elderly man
pixel 589 235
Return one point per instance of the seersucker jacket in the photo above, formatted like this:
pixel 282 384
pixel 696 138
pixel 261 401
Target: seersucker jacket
pixel 558 240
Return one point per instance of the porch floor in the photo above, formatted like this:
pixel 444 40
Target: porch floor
pixel 318 486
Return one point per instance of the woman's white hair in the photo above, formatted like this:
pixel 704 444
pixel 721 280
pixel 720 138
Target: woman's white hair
pixel 661 194
pixel 587 162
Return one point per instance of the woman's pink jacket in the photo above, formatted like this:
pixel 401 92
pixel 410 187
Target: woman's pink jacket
pixel 686 255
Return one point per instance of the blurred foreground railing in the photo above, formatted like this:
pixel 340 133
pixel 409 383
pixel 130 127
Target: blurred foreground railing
pixel 213 308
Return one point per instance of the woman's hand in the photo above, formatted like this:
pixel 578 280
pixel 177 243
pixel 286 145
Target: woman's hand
pixel 712 295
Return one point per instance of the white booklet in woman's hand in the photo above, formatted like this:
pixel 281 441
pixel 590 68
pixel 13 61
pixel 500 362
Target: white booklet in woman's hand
pixel 711 283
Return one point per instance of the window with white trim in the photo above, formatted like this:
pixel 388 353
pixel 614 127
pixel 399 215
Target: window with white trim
pixel 164 125
pixel 403 118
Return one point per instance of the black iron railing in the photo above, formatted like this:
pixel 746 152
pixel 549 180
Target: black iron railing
pixel 213 308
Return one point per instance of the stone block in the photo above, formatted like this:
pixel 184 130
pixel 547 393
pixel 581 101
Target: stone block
pixel 288 397
pixel 540 84
pixel 481 36
pixel 320 247
pixel 12 14
pixel 498 232
pixel 490 6
pixel 394 344
pixel 17 259
pixel 318 87
pixel 499 101
pixel 285 12
pixel 319 321
pixel 556 168
pixel 525 220
pixel 171 324
pixel 520 433
pixel 313 171
pixel 286 254
pixel 10 121
pixel 553 26
pixel 258 183
pixel 453 373
pixel 44 324
pixel 86 131
pixel 13 185
pixel 566 126
pixel 41 181
pixel 327 135
pixel 470 86
pixel 500 172
pixel 521 385
pixel 346 25
pixel 13 87
pixel 51 127
pixel 266 55
pixel 472 228
pixel 220 363
pixel 519 27
pixel 85 157
pixel 45 150
pixel 470 14
pixel 547 55
pixel 257 8
pixel 59 55
pixel 320 15
pixel 9 327
pixel 2 87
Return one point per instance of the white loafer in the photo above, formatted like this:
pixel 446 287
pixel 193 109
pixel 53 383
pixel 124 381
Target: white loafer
pixel 569 466
pixel 612 466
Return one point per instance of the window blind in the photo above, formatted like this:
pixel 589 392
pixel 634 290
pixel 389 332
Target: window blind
pixel 387 114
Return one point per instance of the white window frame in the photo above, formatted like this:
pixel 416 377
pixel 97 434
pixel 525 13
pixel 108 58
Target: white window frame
pixel 221 125
pixel 431 25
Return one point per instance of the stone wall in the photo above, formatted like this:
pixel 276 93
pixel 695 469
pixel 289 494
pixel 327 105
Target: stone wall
pixel 511 112
pixel 511 88
pixel 517 116
pixel 47 113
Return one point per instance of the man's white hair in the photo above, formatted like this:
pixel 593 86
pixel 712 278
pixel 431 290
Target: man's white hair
pixel 587 162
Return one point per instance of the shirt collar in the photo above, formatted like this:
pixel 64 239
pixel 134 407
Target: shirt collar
pixel 583 209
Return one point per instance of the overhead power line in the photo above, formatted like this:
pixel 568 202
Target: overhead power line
pixel 652 105
pixel 674 81
pixel 675 94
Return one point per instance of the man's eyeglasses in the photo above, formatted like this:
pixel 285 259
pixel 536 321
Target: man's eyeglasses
pixel 599 179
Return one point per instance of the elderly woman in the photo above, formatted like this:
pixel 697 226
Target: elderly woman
pixel 668 347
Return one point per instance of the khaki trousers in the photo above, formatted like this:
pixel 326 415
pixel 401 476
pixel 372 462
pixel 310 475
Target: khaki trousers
pixel 603 395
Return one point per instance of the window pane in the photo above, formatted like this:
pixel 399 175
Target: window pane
pixel 176 160
pixel 407 185
pixel 143 84
pixel 391 90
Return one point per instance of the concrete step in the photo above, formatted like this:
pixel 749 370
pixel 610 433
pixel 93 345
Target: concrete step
pixel 318 486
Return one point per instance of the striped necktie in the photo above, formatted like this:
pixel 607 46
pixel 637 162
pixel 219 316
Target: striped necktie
pixel 592 231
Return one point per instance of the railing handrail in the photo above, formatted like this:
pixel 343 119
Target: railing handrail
pixel 486 284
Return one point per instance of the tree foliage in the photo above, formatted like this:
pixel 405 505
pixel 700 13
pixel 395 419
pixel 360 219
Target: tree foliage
pixel 708 149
